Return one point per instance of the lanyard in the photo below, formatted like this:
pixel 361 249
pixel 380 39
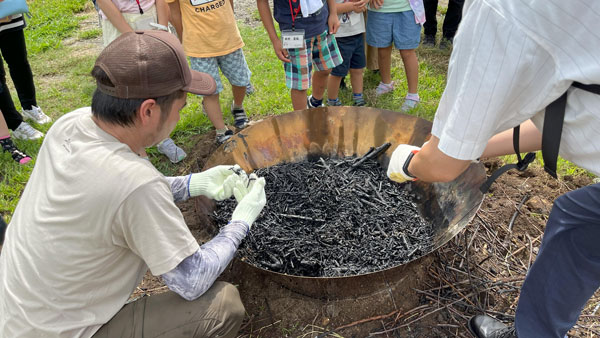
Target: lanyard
pixel 294 12
pixel 139 7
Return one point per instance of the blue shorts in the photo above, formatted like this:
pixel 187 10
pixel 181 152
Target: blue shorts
pixel 233 66
pixel 352 49
pixel 399 28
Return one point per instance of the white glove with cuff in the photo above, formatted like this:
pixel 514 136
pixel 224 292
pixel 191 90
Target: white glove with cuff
pixel 251 201
pixel 217 182
pixel 398 168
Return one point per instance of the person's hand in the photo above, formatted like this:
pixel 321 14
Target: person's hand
pixel 359 6
pixel 217 182
pixel 376 3
pixel 244 186
pixel 251 204
pixel 334 24
pixel 282 53
pixel 398 168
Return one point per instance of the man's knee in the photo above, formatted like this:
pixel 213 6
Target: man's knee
pixel 232 302
pixel 232 309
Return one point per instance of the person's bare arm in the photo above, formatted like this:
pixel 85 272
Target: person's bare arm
pixel 267 19
pixel 175 18
pixel 114 16
pixel 162 12
pixel 333 21
pixel 530 139
pixel 352 6
pixel 430 164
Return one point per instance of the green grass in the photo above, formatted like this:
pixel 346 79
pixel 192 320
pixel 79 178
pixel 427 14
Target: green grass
pixel 51 22
pixel 62 53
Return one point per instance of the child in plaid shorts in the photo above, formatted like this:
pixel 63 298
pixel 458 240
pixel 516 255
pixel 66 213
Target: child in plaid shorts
pixel 318 22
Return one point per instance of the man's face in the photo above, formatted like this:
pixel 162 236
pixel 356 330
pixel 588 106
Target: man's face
pixel 165 127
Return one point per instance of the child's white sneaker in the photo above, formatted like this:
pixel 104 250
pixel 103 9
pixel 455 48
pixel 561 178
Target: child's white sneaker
pixel 408 104
pixel 37 115
pixel 384 88
pixel 26 132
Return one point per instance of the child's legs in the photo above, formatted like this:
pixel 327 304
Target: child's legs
pixel 298 99
pixel 325 56
pixel 319 82
pixel 333 86
pixel 385 63
pixel 356 78
pixel 3 127
pixel 411 67
pixel 235 69
pixel 213 110
pixel 380 34
pixel 239 93
pixel 407 36
pixel 211 102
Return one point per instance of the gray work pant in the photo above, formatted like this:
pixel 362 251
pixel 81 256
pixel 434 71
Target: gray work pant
pixel 217 313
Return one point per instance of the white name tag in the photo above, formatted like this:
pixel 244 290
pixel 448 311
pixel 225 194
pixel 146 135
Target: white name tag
pixel 291 39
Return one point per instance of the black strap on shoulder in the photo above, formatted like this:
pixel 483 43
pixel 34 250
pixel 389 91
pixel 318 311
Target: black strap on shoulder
pixel 551 134
pixel 553 123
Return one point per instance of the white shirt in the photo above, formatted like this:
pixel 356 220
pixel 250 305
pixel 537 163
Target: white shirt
pixel 511 59
pixel 93 217
pixel 351 23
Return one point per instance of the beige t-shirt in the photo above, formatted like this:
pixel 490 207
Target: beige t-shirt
pixel 209 28
pixel 93 217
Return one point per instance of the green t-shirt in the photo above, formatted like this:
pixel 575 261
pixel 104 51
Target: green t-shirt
pixel 392 6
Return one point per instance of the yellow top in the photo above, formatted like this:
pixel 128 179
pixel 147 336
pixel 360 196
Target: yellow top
pixel 209 28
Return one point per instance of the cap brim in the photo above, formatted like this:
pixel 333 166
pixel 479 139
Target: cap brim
pixel 201 84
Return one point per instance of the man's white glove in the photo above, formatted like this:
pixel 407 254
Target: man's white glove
pixel 243 186
pixel 251 204
pixel 217 182
pixel 398 168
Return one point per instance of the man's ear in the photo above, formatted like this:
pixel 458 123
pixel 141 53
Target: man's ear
pixel 147 110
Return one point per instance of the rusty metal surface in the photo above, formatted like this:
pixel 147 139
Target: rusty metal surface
pixel 345 131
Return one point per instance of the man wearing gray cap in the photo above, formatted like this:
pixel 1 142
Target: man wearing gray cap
pixel 105 215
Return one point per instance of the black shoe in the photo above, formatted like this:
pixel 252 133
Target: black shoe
pixel 310 104
pixel 487 327
pixel 240 119
pixel 221 138
pixel 446 43
pixel 429 41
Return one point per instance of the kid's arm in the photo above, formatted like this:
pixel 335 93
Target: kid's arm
pixel 267 19
pixel 352 6
pixel 162 12
pixel 114 16
pixel 333 21
pixel 176 18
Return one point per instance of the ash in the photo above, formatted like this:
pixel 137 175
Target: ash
pixel 327 219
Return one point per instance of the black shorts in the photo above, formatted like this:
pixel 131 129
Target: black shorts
pixel 352 49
